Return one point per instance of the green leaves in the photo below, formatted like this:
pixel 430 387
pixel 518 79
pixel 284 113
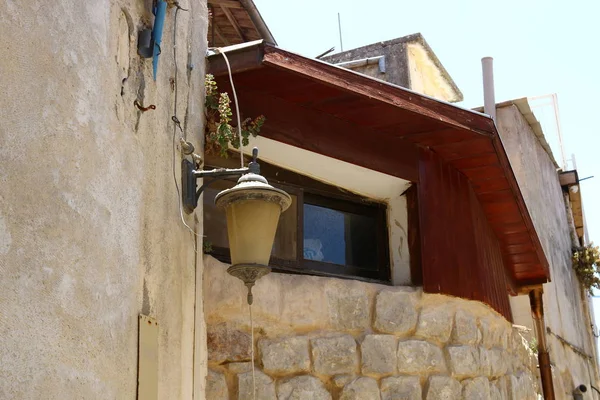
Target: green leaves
pixel 586 261
pixel 210 85
pixel 220 135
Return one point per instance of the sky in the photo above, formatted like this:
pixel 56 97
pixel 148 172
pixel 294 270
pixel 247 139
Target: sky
pixel 539 48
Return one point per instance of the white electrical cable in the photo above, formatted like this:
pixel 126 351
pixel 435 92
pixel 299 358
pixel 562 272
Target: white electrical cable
pixel 237 108
pixel 252 351
pixel 175 127
pixel 239 125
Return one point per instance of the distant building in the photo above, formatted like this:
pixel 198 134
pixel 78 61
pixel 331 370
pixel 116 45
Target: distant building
pixel 406 61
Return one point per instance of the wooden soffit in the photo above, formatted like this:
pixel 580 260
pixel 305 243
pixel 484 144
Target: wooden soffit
pixel 345 115
pixel 235 21
pixel 569 180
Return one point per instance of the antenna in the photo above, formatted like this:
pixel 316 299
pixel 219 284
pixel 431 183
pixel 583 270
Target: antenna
pixel 340 29
pixel 554 103
pixel 325 53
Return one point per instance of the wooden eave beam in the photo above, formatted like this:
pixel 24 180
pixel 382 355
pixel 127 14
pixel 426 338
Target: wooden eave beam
pixel 305 128
pixel 233 22
pixel 514 186
pixel 376 90
pixel 568 178
pixel 225 3
pixel 241 60
pixel 219 33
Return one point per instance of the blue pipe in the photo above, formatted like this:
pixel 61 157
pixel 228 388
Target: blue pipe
pixel 160 12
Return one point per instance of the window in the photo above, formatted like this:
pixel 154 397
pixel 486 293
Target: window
pixel 326 231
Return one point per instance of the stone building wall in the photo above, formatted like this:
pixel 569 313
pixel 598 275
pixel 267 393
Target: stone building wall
pixel 327 338
pixel 570 339
pixel 90 230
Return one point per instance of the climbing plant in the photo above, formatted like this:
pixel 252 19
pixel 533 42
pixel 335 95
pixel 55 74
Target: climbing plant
pixel 220 134
pixel 586 261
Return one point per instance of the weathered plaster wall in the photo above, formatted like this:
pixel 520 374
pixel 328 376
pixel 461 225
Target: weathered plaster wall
pixel 564 306
pixel 396 61
pixel 409 62
pixel 90 234
pixel 425 76
pixel 324 338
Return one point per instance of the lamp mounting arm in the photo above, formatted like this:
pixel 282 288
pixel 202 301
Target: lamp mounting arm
pixel 189 176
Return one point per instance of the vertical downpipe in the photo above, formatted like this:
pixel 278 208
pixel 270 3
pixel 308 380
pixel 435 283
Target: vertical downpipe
pixel 489 97
pixel 537 312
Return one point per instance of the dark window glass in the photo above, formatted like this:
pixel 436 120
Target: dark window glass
pixel 339 237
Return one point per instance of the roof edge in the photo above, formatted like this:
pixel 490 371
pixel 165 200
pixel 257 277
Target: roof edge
pixel 524 108
pixel 258 21
pixel 421 40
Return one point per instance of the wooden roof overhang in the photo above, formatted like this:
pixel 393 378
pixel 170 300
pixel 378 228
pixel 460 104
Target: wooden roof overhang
pixel 351 117
pixel 569 180
pixel 235 21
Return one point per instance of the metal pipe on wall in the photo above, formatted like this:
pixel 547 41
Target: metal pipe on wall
pixel 258 21
pixel 489 97
pixel 537 312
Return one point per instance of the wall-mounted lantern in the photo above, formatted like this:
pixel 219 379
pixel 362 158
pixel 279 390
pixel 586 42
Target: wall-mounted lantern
pixel 252 208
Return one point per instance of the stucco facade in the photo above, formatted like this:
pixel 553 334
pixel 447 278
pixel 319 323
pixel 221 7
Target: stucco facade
pixel 90 229
pixel 569 335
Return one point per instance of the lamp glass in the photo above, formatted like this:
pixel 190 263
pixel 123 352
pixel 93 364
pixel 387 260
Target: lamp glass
pixel 251 226
pixel 252 208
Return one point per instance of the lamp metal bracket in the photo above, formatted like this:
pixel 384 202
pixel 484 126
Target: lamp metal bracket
pixel 190 193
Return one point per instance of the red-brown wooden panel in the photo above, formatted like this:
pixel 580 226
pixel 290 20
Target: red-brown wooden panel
pixel 510 228
pixel 523 258
pixel 323 134
pixel 456 151
pixel 475 161
pixel 525 267
pixel 430 137
pixel 483 186
pixel 491 265
pixel 516 238
pixel 344 103
pixel 369 88
pixel 498 196
pixel 487 172
pixel 414 236
pixel 459 252
pixel 502 211
pixel 519 248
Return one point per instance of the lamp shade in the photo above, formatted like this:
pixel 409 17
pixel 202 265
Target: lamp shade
pixel 252 208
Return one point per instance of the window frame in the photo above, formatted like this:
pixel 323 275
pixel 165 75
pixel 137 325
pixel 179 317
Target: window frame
pixel 327 196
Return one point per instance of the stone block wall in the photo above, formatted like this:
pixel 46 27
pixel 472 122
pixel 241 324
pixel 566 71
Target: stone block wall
pixel 367 341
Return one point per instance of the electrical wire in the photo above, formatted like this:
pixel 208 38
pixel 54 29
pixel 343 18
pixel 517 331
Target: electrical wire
pixel 252 352
pixel 237 108
pixel 239 125
pixel 176 124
